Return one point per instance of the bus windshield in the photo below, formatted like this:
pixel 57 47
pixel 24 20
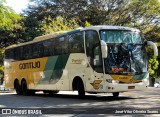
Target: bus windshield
pixel 126 53
pixel 120 36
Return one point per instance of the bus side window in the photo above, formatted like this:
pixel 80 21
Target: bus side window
pixel 17 53
pixel 97 59
pixel 41 49
pixel 48 47
pixel 9 54
pixel 76 43
pixel 35 50
pixel 25 52
pixel 58 47
pixel 64 43
pixel 93 50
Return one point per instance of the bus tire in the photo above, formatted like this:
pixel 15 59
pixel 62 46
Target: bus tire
pixel 17 87
pixel 55 92
pixel 80 89
pixel 115 94
pixel 24 87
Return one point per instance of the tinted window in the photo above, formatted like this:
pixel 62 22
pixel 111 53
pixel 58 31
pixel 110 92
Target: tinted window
pixel 93 50
pixel 64 43
pixel 72 43
pixel 9 54
pixel 76 43
pixel 36 51
pixel 58 47
pixel 92 39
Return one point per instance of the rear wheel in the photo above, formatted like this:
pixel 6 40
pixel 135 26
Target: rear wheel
pixel 17 87
pixel 24 88
pixel 80 88
pixel 115 94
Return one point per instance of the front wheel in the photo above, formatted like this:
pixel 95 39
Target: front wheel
pixel 115 94
pixel 80 88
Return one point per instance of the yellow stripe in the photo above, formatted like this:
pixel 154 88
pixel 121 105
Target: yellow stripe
pixel 124 78
pixel 19 70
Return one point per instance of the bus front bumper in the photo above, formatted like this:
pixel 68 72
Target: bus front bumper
pixel 110 87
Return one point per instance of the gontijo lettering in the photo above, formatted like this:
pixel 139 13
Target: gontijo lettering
pixel 29 65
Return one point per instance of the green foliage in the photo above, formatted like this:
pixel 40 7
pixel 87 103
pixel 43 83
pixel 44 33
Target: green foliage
pixel 59 24
pixel 7 17
pixel 153 65
pixel 47 16
pixel 9 26
pixel 87 24
pixel 112 12
pixel 31 28
pixel 1 60
pixel 144 15
pixel 1 69
pixel 152 33
pixel 145 12
pixel 10 29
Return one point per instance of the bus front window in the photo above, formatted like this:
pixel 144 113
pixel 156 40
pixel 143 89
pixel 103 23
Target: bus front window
pixel 126 53
pixel 121 36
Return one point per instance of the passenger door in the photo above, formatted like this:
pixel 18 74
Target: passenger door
pixel 94 70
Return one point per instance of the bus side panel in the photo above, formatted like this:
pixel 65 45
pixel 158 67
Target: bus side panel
pixel 76 67
pixel 30 70
pixel 55 75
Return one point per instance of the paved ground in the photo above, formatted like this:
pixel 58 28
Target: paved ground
pixel 143 103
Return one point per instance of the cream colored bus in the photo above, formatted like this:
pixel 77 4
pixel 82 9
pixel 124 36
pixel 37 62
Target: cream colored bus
pixel 95 59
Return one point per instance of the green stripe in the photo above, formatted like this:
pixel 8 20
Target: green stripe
pixel 54 69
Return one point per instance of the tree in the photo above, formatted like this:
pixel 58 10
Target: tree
pixel 1 60
pixel 152 33
pixel 10 29
pixel 153 65
pixel 59 24
pixel 9 25
pixel 96 12
pixel 31 28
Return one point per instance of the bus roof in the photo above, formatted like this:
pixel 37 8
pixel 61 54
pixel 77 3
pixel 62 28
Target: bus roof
pixel 61 33
pixel 39 38
pixel 48 36
pixel 106 27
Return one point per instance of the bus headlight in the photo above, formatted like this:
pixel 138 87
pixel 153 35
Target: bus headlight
pixel 109 80
pixel 115 81
pixel 146 81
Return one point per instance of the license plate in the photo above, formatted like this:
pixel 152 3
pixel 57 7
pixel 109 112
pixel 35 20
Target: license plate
pixel 131 87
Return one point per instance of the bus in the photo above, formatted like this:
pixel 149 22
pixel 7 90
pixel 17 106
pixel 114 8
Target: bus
pixel 94 59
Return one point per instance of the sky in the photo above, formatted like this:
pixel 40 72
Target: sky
pixel 17 5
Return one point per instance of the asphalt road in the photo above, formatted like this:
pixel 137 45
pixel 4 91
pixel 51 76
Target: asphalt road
pixel 132 104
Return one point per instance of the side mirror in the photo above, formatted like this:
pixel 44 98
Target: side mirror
pixel 154 47
pixel 104 49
